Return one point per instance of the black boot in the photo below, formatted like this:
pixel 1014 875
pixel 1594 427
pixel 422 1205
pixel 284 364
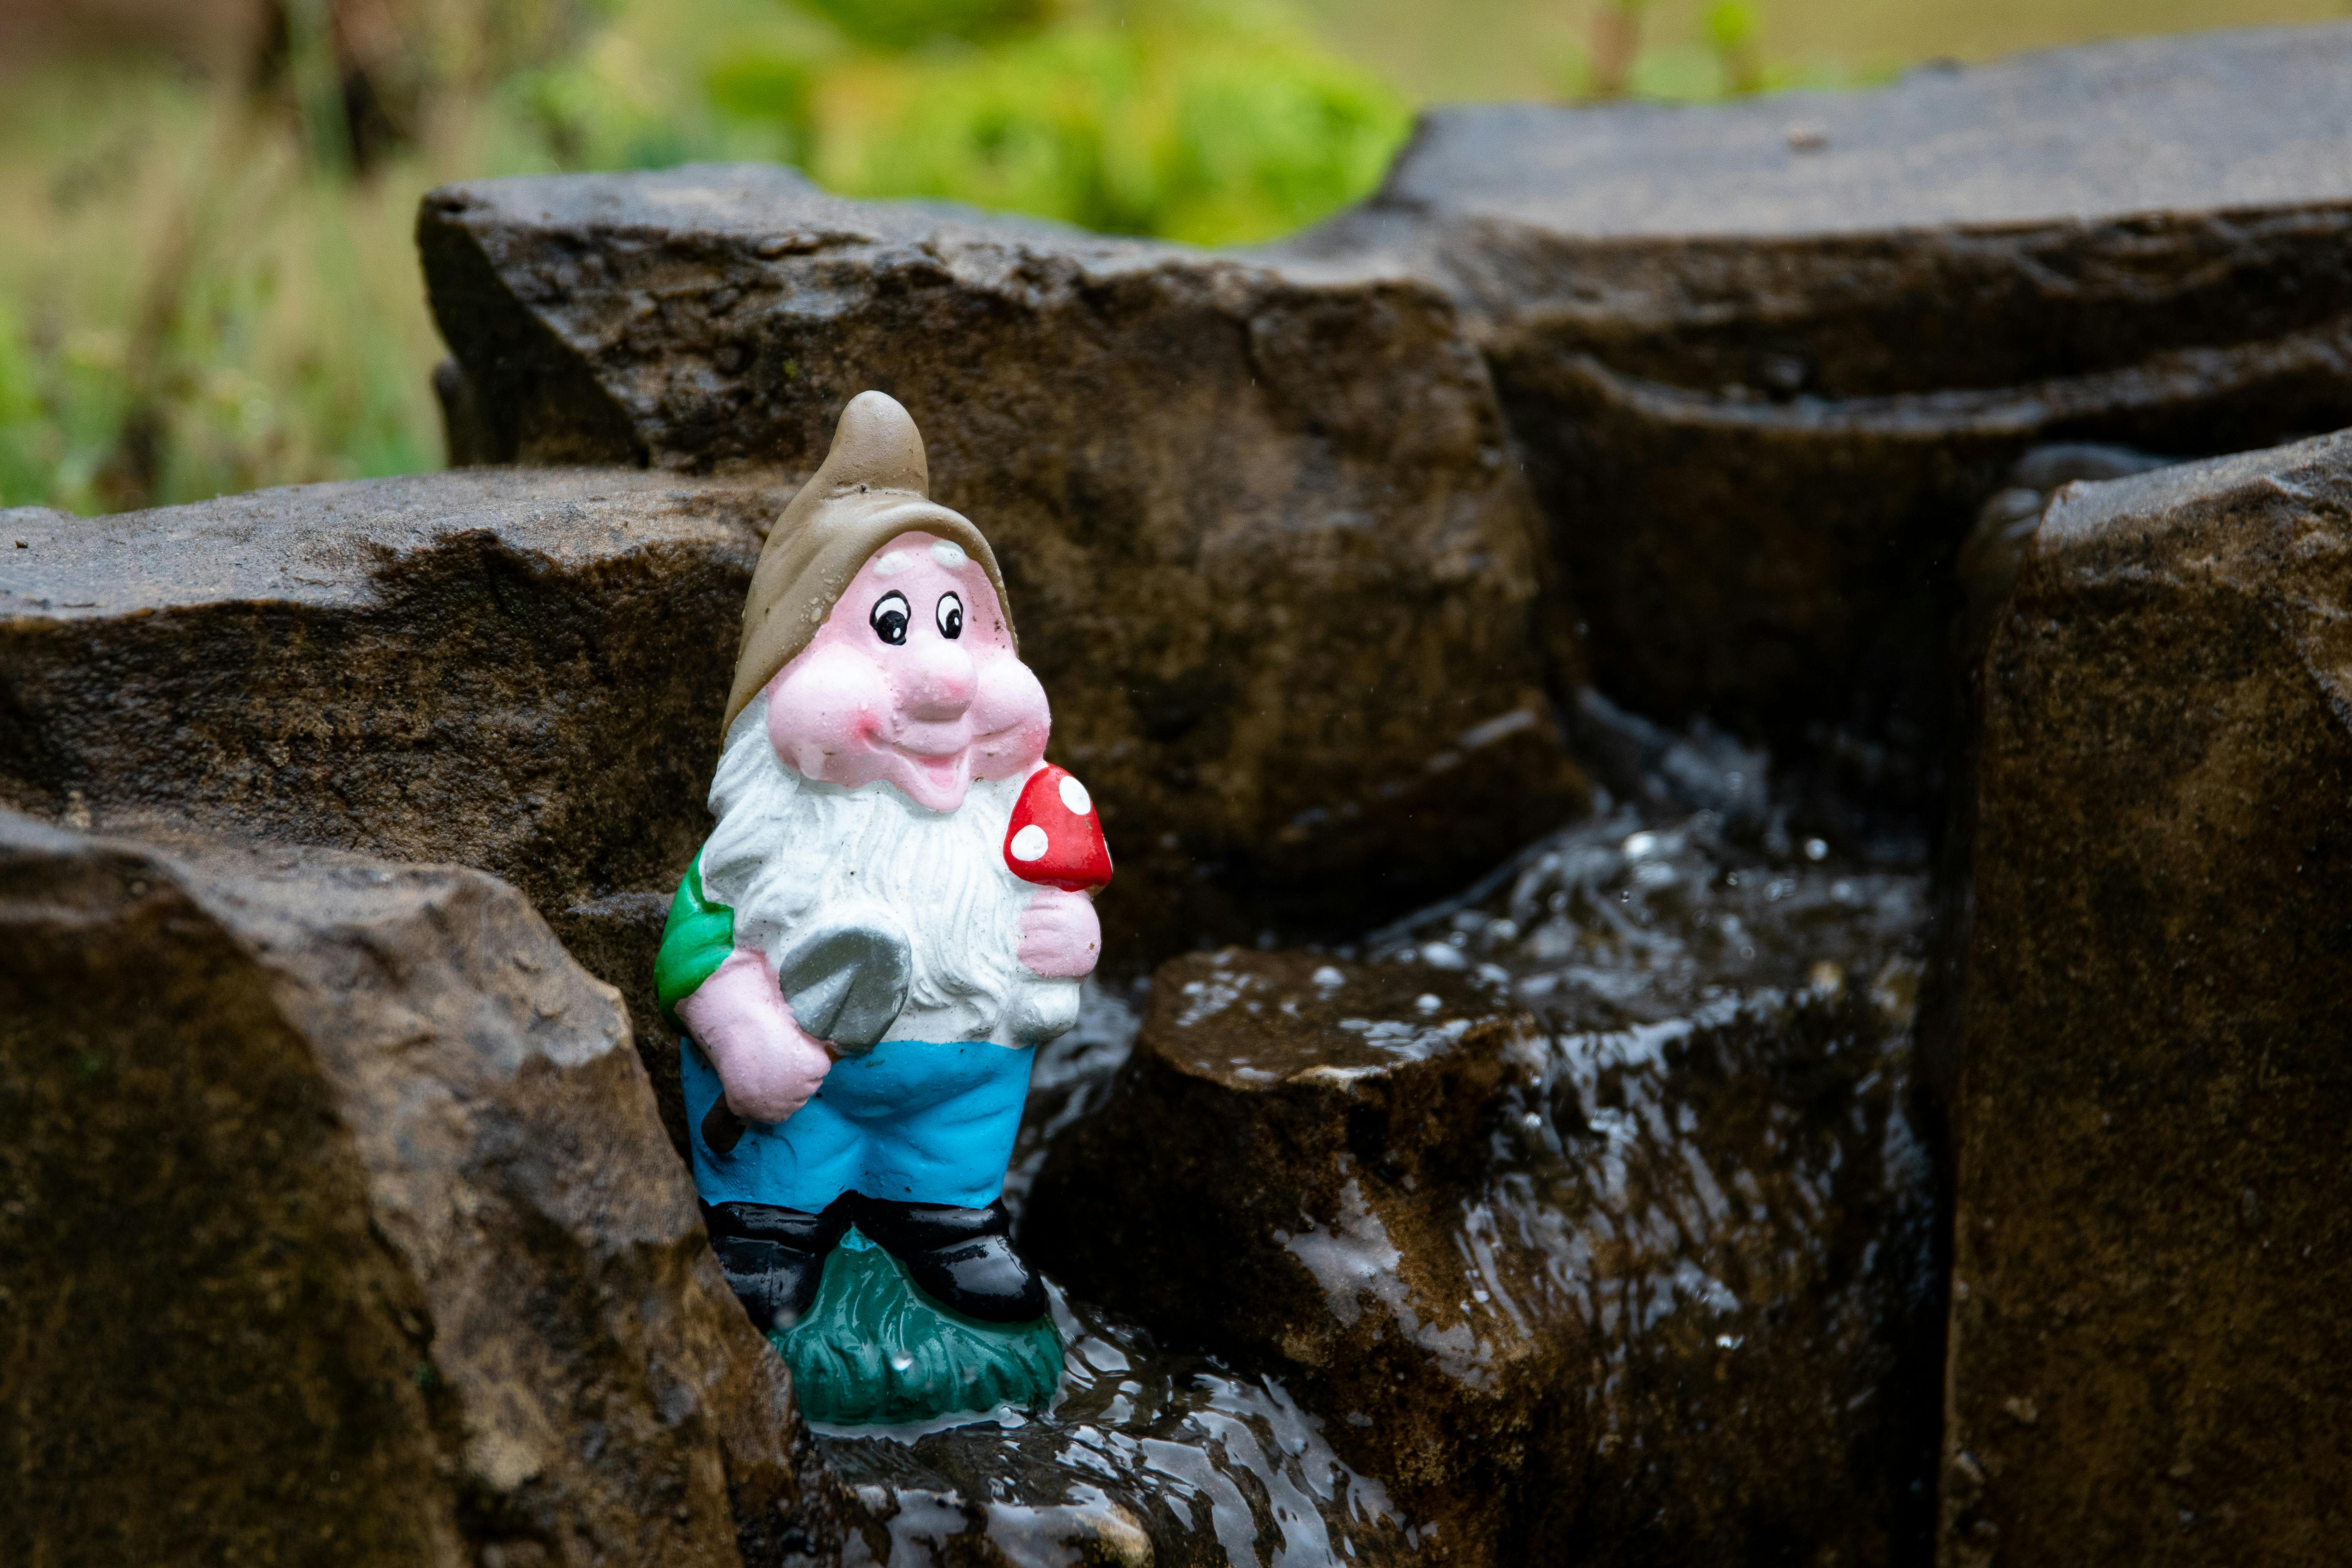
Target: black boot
pixel 961 1258
pixel 774 1258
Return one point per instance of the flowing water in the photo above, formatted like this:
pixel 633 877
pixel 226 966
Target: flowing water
pixel 1715 1164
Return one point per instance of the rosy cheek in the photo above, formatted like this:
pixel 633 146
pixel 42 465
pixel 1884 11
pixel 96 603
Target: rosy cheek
pixel 823 712
pixel 1010 710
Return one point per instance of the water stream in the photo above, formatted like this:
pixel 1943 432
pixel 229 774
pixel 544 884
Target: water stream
pixel 1715 1164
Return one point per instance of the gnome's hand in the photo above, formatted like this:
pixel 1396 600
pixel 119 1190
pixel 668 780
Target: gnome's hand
pixel 767 1064
pixel 1060 937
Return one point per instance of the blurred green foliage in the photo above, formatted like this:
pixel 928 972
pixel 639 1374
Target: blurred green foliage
pixel 910 24
pixel 1195 123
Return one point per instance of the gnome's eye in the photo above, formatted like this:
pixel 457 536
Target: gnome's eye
pixel 950 616
pixel 889 618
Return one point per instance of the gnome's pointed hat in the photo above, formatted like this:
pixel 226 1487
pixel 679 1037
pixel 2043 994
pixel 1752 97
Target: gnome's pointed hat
pixel 875 486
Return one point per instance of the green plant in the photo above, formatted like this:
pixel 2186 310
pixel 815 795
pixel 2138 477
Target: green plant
pixel 1198 122
pixel 1732 28
pixel 908 23
pixel 28 438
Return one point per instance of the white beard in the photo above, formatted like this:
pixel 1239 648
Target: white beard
pixel 787 846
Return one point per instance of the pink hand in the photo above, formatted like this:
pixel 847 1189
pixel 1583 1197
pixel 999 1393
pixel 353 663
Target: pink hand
pixel 1060 937
pixel 769 1066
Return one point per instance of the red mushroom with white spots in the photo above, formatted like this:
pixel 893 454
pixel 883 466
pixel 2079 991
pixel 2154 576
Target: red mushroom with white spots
pixel 1055 839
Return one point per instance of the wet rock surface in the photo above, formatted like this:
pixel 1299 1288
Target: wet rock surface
pixel 339 1225
pixel 509 668
pixel 1766 359
pixel 1267 546
pixel 2150 1245
pixel 1587 1214
pixel 1152 1456
pixel 517 671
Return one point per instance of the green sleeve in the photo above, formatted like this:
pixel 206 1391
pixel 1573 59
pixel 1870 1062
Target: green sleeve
pixel 696 942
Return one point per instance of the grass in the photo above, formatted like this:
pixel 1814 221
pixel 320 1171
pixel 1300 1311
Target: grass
pixel 199 295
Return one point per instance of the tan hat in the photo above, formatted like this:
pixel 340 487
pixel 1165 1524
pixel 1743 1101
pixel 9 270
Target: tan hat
pixel 875 486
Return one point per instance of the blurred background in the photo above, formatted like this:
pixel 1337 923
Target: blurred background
pixel 206 279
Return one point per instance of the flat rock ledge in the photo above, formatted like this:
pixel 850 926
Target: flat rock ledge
pixel 1765 359
pixel 517 671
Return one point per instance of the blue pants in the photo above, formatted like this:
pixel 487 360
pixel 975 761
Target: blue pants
pixel 909 1119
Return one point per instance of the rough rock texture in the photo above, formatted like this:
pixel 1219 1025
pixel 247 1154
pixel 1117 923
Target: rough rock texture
pixel 517 671
pixel 2153 1255
pixel 1766 359
pixel 1268 545
pixel 1986 575
pixel 1587 1219
pixel 339 1226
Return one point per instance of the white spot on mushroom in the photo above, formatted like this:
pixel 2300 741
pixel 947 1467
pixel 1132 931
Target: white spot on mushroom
pixel 1074 796
pixel 892 563
pixel 1029 844
pixel 948 553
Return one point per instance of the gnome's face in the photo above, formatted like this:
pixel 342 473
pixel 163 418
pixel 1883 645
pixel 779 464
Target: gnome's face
pixel 912 680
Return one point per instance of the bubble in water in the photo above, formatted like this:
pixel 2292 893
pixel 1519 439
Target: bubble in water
pixel 1816 848
pixel 1427 1002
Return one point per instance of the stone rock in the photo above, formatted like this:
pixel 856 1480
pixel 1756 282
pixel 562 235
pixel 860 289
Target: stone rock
pixel 1986 572
pixel 339 1226
pixel 1245 1221
pixel 1154 1456
pixel 517 671
pixel 1766 359
pixel 1587 1217
pixel 2152 1257
pixel 1987 566
pixel 1268 548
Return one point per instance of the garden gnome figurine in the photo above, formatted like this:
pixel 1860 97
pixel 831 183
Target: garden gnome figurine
pixel 893 912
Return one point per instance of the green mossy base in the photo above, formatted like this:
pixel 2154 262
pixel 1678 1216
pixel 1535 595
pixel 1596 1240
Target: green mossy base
pixel 876 1352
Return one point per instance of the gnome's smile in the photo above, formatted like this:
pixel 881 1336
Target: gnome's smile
pixel 912 680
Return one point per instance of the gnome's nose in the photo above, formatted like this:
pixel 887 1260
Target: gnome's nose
pixel 941 684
